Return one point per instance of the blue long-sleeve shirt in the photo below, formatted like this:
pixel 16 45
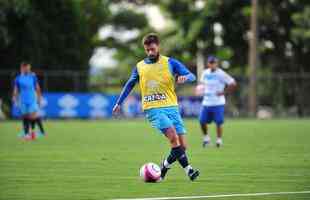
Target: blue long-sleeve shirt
pixel 175 67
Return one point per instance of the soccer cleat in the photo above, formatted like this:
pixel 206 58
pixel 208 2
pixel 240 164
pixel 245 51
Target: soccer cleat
pixel 205 144
pixel 163 170
pixel 219 142
pixel 206 141
pixel 193 174
pixel 33 135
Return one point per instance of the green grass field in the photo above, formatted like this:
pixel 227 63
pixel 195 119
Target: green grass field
pixel 96 160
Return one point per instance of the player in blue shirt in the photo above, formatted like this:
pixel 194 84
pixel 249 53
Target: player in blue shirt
pixel 157 75
pixel 27 95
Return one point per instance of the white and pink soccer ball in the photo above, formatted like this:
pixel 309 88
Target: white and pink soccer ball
pixel 150 172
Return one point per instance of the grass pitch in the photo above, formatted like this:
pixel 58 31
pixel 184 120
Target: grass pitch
pixel 96 160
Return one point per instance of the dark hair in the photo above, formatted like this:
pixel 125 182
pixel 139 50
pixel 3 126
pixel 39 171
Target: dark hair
pixel 23 63
pixel 150 38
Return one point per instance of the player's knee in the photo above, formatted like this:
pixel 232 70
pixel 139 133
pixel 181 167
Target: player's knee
pixel 219 123
pixel 202 123
pixel 172 136
pixel 184 146
pixel 174 140
pixel 182 142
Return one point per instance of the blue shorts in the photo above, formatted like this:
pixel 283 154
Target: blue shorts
pixel 27 108
pixel 212 113
pixel 163 118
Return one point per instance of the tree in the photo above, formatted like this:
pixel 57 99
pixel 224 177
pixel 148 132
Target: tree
pixel 52 34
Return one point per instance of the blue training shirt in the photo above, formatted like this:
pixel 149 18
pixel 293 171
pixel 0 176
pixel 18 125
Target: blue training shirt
pixel 26 85
pixel 175 66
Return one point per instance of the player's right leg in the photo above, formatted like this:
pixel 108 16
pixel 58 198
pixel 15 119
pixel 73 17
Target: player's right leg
pixel 161 122
pixel 205 118
pixel 24 109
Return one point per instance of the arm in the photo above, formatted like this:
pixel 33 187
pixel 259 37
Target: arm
pixel 230 82
pixel 39 93
pixel 230 88
pixel 37 88
pixel 179 69
pixel 15 91
pixel 130 84
pixel 15 94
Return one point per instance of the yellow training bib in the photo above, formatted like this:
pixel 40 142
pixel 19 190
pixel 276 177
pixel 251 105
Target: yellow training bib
pixel 156 84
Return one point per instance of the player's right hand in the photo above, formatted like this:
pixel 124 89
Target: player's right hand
pixel 40 101
pixel 181 79
pixel 116 109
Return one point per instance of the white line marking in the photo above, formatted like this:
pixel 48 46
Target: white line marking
pixel 220 196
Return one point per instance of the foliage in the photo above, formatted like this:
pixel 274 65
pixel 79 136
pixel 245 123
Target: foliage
pixel 51 34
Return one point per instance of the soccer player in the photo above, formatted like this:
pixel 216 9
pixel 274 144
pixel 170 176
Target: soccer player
pixel 157 75
pixel 216 83
pixel 27 95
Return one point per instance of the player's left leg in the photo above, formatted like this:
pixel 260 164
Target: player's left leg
pixel 37 120
pixel 32 117
pixel 26 124
pixel 177 153
pixel 219 120
pixel 40 125
pixel 182 140
pixel 178 123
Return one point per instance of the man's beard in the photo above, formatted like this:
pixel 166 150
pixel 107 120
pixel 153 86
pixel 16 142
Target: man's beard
pixel 153 58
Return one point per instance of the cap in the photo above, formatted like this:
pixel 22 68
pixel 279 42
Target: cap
pixel 212 59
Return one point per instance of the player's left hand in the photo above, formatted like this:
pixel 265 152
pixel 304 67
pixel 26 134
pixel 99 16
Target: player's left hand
pixel 181 79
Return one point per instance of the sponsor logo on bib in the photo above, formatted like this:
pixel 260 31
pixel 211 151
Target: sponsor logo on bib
pixel 154 97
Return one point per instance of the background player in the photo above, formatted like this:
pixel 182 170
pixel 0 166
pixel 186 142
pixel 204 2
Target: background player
pixel 27 95
pixel 156 76
pixel 216 83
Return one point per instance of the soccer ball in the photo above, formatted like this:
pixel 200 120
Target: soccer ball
pixel 150 172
